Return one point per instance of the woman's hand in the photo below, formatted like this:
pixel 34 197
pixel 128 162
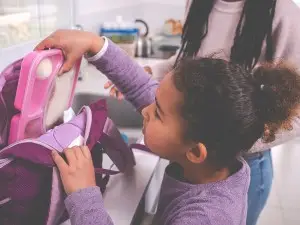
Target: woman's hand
pixel 74 44
pixel 114 92
pixel 78 173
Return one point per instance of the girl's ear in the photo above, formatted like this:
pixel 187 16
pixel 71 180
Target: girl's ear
pixel 198 154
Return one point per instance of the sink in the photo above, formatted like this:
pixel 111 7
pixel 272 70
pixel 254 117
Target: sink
pixel 121 112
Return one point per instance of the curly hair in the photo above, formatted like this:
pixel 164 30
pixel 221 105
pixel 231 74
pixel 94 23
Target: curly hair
pixel 228 109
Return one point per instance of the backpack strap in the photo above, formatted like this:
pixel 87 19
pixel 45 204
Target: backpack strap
pixel 104 133
pixel 140 147
pixel 39 153
pixel 4 118
pixel 2 82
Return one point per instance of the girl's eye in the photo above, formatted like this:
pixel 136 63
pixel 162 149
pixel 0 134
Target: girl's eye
pixel 156 114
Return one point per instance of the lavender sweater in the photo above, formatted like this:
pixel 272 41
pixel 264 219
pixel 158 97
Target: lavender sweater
pixel 218 203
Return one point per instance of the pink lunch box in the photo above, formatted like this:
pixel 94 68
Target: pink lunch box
pixel 42 96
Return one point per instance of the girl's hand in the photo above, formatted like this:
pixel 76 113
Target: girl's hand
pixel 74 44
pixel 114 92
pixel 79 172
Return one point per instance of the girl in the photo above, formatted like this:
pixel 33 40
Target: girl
pixel 247 32
pixel 217 111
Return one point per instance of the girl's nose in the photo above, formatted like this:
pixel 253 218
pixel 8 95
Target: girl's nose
pixel 145 113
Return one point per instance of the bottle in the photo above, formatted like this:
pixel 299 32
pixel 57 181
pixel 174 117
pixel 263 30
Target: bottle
pixel 120 31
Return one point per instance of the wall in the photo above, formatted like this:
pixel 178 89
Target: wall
pixel 156 13
pixel 53 14
pixel 91 13
pixel 92 6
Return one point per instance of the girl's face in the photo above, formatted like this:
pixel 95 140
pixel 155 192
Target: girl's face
pixel 163 125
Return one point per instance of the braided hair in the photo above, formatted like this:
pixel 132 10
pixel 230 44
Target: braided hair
pixel 255 26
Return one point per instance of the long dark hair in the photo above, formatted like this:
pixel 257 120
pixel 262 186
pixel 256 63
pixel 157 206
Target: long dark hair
pixel 254 27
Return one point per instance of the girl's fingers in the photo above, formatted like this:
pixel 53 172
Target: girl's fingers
pixel 70 155
pixel 86 152
pixel 78 153
pixel 60 162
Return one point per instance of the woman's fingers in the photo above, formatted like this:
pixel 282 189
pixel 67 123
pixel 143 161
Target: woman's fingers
pixel 113 92
pixel 108 84
pixel 120 96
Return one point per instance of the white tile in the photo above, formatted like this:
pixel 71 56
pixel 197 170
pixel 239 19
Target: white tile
pixel 271 216
pixel 283 206
pixel 291 217
pixel 286 174
pixel 286 159
pixel 290 196
pixel 274 200
pixel 289 191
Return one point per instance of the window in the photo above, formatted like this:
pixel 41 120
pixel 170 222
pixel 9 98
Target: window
pixel 24 22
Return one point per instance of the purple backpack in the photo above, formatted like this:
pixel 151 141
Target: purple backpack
pixel 8 87
pixel 30 188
